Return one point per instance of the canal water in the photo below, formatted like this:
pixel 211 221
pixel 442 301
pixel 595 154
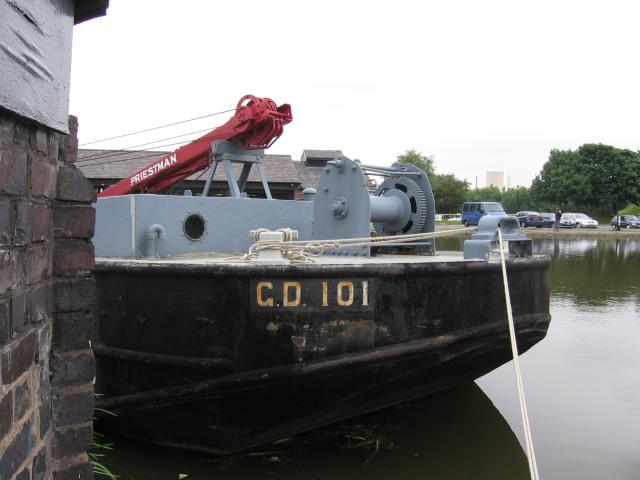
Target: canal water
pixel 582 384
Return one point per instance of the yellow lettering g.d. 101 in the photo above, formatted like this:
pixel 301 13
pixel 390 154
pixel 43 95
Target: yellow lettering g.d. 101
pixel 314 293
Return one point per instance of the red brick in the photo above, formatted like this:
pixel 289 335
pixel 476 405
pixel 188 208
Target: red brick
pixel 43 179
pixel 23 232
pixel 25 474
pixel 76 471
pixel 73 256
pixel 21 133
pixel 73 186
pixel 39 140
pixel 32 223
pixel 72 441
pixel 6 414
pixel 39 467
pixel 23 401
pixel 43 342
pixel 18 313
pixel 13 171
pixel 72 408
pixel 72 331
pixel 41 222
pixel 73 294
pixel 37 265
pixel 17 451
pixel 9 270
pixel 54 147
pixel 6 128
pixel 74 221
pixel 70 142
pixel 72 368
pixel 40 304
pixel 5 324
pixel 6 223
pixel 45 416
pixel 19 358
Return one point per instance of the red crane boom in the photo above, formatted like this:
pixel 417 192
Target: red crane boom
pixel 257 123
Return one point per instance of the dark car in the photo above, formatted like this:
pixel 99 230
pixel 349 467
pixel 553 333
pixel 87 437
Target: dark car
pixel 550 218
pixel 626 221
pixel 532 219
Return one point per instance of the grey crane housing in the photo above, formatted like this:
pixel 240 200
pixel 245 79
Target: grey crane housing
pixel 142 225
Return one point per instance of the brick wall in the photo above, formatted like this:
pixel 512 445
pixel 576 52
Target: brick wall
pixel 46 293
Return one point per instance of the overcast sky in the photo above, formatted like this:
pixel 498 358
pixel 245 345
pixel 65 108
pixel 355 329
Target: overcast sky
pixel 480 85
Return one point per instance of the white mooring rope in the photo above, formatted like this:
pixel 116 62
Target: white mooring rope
pixel 531 456
pixel 304 251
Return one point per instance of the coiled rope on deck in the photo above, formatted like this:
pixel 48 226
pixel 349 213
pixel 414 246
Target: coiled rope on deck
pixel 305 251
pixel 531 456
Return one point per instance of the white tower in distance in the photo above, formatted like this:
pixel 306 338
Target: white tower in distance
pixel 495 179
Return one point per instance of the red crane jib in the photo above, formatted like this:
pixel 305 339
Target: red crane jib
pixel 257 123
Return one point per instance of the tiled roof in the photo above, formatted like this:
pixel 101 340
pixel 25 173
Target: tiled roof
pixel 308 175
pixel 114 163
pixel 319 155
pixel 119 164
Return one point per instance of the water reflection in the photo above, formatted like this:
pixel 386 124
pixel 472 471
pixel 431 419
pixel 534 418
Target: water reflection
pixel 590 272
pixel 594 272
pixel 582 380
pixel 452 244
pixel 457 434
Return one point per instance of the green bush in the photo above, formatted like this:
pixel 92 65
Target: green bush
pixel 630 209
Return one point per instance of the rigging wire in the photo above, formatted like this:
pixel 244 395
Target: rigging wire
pixel 158 127
pixel 206 137
pixel 152 154
pixel 110 153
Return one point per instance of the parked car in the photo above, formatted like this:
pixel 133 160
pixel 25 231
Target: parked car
pixel 626 221
pixel 550 217
pixel 472 212
pixel 532 219
pixel 577 220
pixel 568 220
pixel 585 221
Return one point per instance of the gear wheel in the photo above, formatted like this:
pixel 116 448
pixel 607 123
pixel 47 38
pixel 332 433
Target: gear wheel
pixel 417 200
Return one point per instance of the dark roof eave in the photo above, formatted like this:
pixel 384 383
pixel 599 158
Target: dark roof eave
pixel 87 9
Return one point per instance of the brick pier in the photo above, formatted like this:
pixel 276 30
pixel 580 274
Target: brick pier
pixel 46 297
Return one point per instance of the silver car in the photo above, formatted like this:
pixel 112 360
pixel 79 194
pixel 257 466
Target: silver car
pixel 577 220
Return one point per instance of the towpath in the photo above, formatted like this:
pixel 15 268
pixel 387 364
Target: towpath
pixel 604 231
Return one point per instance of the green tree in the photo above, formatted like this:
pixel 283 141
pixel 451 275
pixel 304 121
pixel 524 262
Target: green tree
pixel 519 198
pixel 414 157
pixel 594 178
pixel 486 194
pixel 614 176
pixel 562 180
pixel 449 192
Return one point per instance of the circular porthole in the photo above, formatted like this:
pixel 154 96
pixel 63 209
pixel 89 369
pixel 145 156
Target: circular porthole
pixel 194 227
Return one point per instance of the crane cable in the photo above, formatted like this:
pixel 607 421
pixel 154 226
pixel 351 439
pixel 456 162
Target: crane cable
pixel 531 456
pixel 130 149
pixel 158 127
pixel 147 153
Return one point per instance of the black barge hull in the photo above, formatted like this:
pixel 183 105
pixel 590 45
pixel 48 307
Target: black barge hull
pixel 220 358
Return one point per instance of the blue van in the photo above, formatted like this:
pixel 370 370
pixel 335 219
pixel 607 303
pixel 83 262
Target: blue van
pixel 472 212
